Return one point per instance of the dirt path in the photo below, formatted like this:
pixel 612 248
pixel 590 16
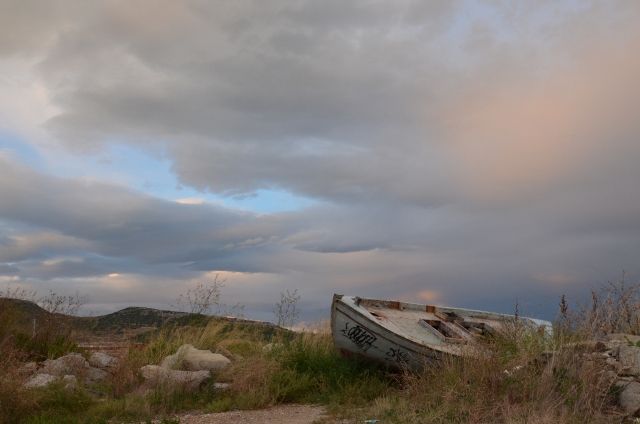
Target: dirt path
pixel 284 414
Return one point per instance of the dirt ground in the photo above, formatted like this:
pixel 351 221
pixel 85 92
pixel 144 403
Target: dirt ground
pixel 284 414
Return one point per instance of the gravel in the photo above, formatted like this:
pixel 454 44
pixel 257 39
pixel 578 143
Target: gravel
pixel 285 414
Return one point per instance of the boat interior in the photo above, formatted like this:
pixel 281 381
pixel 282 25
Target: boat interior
pixel 431 324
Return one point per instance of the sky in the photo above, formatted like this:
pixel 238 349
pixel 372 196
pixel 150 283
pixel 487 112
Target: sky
pixel 466 153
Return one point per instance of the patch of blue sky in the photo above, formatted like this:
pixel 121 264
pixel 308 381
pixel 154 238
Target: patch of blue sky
pixel 152 174
pixel 15 146
pixel 270 201
pixel 144 171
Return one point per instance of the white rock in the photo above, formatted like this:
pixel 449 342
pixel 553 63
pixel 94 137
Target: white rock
pixel 40 380
pixel 629 358
pixel 173 379
pixel 28 368
pixel 70 382
pixel 102 360
pixel 95 375
pixel 630 397
pixel 73 363
pixel 189 358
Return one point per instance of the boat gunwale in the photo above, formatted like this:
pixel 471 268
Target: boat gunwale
pixel 444 347
pixel 432 308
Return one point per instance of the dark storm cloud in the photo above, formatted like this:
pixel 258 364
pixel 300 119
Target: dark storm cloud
pixel 8 270
pixel 264 96
pixel 79 216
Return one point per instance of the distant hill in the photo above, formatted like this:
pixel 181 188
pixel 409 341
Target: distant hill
pixel 18 313
pixel 132 317
pixel 24 312
pixel 25 307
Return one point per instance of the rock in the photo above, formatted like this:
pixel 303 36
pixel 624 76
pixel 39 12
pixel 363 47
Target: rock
pixel 40 380
pixel 270 347
pixel 102 360
pixel 28 368
pixel 73 363
pixel 629 358
pixel 622 381
pixel 612 364
pixel 221 386
pixel 628 339
pixel 70 382
pixel 610 376
pixel 173 379
pixel 589 346
pixel 95 375
pixel 615 351
pixel 630 397
pixel 189 358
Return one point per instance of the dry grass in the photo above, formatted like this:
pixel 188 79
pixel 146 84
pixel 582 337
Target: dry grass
pixel 513 384
pixel 516 382
pixel 614 308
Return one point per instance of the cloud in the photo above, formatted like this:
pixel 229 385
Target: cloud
pixel 8 270
pixel 457 151
pixel 116 220
pixel 29 245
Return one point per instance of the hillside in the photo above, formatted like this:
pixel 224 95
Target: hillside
pixel 131 318
pixel 24 312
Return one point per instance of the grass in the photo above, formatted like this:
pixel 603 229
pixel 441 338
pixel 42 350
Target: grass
pixel 270 366
pixel 508 386
pixel 305 369
pixel 512 383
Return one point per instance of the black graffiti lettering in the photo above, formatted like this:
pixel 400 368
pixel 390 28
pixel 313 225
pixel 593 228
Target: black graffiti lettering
pixel 398 356
pixel 359 336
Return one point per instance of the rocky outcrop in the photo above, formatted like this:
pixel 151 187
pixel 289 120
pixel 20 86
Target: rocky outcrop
pixel 95 375
pixel 40 380
pixel 189 358
pixel 630 397
pixel 619 356
pixel 72 363
pixel 103 361
pixel 70 369
pixel 157 376
pixel 187 369
pixel 69 382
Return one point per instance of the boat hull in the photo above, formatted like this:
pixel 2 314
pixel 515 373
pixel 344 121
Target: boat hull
pixel 354 335
pixel 410 336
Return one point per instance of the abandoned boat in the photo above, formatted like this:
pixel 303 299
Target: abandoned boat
pixel 409 335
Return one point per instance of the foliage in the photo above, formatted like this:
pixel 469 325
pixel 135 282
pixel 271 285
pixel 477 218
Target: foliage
pixel 205 299
pixel 286 310
pixel 202 298
pixel 613 308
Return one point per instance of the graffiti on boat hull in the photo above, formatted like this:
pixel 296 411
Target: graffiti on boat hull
pixel 359 336
pixel 397 355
